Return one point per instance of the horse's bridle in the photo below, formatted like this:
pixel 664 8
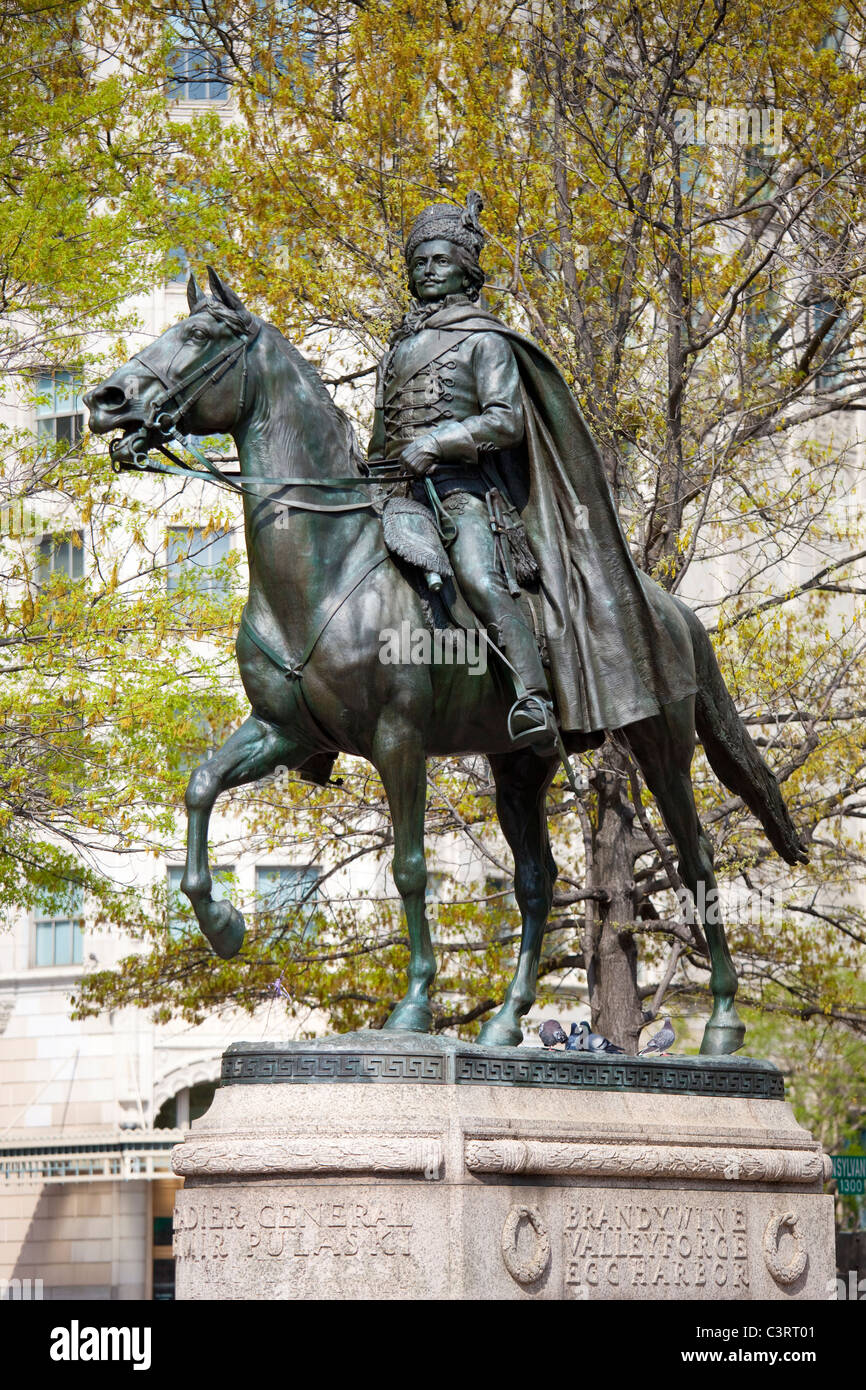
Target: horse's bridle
pixel 164 422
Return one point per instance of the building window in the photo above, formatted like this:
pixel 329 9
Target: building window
pixel 287 27
pixel 195 71
pixel 195 76
pixel 59 411
pixel 693 171
pixel 433 894
pixel 178 266
pixel 162 1255
pixel 193 738
pixel 59 929
pixel 163 1280
pixel 60 555
pixel 501 906
pixel 758 168
pixel 194 559
pixel 288 895
pixel 500 889
pixel 832 352
pixel 180 917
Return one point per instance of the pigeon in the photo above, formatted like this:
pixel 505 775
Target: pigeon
pixel 587 1041
pixel 660 1041
pixel 551 1032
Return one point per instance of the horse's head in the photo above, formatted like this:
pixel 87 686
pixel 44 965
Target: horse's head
pixel 192 379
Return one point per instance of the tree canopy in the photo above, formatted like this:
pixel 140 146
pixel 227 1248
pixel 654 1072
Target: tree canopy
pixel 674 205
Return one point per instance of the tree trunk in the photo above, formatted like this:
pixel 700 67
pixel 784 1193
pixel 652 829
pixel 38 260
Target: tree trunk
pixel 612 958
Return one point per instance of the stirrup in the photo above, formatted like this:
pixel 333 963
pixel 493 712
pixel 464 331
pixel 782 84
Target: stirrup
pixel 543 735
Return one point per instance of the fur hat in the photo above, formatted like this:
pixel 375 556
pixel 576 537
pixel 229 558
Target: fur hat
pixel 447 222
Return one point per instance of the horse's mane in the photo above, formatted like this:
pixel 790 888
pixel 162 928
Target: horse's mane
pixel 311 376
pixel 240 324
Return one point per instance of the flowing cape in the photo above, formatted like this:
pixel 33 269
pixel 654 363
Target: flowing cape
pixel 612 660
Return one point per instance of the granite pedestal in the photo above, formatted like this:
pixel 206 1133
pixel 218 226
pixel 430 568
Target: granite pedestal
pixel 386 1165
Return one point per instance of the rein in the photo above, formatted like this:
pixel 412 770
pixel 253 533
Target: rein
pixel 164 422
pixel 209 473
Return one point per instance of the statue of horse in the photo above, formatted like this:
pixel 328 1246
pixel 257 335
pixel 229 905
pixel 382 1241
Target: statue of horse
pixel 322 588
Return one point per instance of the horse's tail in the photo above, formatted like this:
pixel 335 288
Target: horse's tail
pixel 732 754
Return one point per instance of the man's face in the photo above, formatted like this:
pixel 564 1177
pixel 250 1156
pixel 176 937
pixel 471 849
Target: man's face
pixel 435 272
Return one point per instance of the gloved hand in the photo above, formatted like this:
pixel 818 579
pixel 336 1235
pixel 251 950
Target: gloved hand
pixel 420 456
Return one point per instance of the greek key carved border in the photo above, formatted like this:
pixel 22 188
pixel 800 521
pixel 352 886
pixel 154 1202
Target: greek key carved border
pixel 468 1068
pixel 574 1159
pixel 620 1075
pixel 255 1067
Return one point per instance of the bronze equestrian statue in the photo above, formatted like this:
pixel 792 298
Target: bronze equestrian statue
pixel 507 496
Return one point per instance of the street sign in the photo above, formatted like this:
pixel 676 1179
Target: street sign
pixel 849 1170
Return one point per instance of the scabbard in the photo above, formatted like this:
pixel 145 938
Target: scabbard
pixel 498 527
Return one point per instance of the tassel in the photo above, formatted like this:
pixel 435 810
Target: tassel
pixel 525 566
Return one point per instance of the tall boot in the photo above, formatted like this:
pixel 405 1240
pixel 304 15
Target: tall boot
pixel 531 719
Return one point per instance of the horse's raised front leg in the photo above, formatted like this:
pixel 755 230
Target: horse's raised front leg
pixel 663 746
pixel 522 779
pixel 250 753
pixel 398 754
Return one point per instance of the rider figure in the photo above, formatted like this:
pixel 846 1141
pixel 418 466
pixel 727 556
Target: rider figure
pixel 448 408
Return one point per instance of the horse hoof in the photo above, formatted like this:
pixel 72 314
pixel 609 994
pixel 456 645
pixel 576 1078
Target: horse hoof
pixel 721 1039
pixel 499 1032
pixel 411 1016
pixel 224 928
